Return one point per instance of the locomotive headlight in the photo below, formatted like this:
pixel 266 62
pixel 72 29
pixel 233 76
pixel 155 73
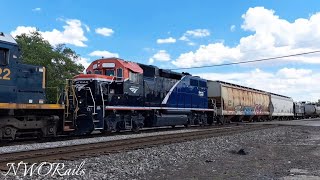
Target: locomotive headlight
pixel 81 101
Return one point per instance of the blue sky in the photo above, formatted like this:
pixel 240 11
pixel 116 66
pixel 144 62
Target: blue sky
pixel 192 33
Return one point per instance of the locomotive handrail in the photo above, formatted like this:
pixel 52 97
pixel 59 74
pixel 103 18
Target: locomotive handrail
pixel 66 91
pixel 94 102
pixel 103 112
pixel 75 97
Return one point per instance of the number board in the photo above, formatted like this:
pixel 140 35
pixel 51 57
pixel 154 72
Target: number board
pixel 5 74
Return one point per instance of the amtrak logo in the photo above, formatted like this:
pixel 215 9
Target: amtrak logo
pixel 80 86
pixel 134 89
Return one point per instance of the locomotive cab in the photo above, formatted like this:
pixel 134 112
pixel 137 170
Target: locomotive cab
pixel 107 82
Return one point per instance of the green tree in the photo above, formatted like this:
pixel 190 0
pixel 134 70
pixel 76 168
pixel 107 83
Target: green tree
pixel 60 61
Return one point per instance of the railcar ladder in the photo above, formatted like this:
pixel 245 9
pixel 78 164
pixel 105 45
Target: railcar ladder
pixel 128 124
pixel 71 106
pixel 98 120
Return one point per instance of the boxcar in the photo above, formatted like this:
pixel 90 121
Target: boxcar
pixel 237 103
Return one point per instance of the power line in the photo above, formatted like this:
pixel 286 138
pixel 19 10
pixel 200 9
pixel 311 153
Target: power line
pixel 252 61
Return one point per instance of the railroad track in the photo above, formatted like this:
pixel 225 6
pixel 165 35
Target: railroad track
pixel 27 141
pixel 97 149
pixel 97 134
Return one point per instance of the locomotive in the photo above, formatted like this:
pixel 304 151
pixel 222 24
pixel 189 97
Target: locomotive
pixel 23 108
pixel 115 95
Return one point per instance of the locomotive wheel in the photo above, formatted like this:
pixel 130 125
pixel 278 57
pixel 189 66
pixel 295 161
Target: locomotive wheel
pixel 118 127
pixel 187 124
pixel 103 131
pixel 106 129
pixel 135 128
pixel 221 120
pixel 84 125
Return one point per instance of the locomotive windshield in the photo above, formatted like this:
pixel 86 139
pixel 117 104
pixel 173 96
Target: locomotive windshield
pixel 110 72
pixel 3 57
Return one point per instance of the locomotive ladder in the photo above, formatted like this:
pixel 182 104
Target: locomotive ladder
pixel 98 112
pixel 71 106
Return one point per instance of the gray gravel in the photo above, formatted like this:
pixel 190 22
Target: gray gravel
pixel 278 153
pixel 35 146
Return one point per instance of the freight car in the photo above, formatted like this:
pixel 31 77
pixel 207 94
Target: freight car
pixel 311 110
pixel 238 103
pixel 299 110
pixel 23 108
pixel 116 95
pixel 281 107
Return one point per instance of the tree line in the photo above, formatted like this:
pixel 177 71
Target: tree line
pixel 60 61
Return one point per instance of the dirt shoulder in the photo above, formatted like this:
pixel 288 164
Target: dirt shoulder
pixel 281 153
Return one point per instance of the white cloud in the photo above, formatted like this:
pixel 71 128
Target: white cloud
pixel 161 55
pixel 104 54
pixel 167 40
pixel 271 37
pixel 196 33
pixel 148 49
pixel 212 54
pixel 104 31
pixel 295 83
pixel 151 61
pixel 73 33
pixel 23 29
pixel 232 28
pixel 36 9
pixel 87 27
pixel 292 73
pixel 83 61
pixel 191 43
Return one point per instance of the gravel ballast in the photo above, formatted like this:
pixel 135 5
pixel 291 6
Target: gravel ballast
pixel 36 146
pixel 277 153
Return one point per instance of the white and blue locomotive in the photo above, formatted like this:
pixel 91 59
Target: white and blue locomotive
pixel 116 95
